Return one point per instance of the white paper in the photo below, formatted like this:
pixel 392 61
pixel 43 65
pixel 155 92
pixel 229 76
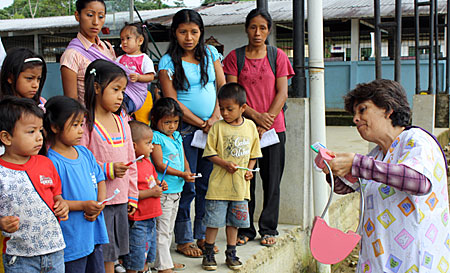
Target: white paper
pixel 199 139
pixel 269 138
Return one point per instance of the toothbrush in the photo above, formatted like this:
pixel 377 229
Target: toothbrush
pixel 197 176
pixel 116 192
pixel 247 169
pixel 136 160
pixel 164 174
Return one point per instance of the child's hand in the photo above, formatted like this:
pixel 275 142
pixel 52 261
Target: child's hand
pixel 61 209
pixel 133 77
pixel 131 209
pixel 188 177
pixel 9 224
pixel 120 169
pixel 164 185
pixel 93 217
pixel 248 175
pixel 230 167
pixel 156 191
pixel 92 207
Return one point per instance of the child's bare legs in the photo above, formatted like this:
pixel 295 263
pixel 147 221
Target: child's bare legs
pixel 211 234
pixel 109 267
pixel 231 235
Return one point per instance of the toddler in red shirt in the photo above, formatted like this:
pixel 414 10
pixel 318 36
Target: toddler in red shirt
pixel 143 221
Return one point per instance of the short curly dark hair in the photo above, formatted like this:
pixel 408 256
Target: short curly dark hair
pixel 386 94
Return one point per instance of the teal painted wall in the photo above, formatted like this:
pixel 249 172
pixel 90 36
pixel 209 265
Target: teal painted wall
pixel 340 77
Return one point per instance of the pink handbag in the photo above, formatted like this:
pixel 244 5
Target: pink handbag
pixel 330 245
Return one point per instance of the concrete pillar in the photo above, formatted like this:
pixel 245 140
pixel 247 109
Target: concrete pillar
pixel 424 111
pixel 355 40
pixel 296 188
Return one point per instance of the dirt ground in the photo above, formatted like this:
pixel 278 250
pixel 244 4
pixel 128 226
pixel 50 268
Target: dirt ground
pixel 349 264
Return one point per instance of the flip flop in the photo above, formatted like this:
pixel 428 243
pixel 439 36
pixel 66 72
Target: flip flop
pixel 188 249
pixel 178 267
pixel 265 238
pixel 242 238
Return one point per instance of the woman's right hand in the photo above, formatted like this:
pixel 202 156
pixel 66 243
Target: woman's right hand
pixel 120 169
pixel 341 164
pixel 265 120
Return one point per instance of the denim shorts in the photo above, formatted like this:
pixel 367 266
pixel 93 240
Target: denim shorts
pixel 92 263
pixel 141 239
pixel 49 263
pixel 221 212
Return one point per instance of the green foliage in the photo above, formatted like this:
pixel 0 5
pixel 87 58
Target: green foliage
pixel 47 8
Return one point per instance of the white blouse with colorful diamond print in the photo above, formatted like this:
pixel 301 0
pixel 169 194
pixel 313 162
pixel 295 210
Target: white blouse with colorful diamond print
pixel 404 232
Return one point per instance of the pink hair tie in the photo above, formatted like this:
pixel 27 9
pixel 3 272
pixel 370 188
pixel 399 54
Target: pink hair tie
pixel 41 105
pixel 144 26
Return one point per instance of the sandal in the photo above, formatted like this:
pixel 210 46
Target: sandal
pixel 178 267
pixel 266 238
pixel 201 245
pixel 189 250
pixel 242 240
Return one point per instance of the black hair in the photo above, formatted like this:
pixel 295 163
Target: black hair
pixel 18 60
pixel 58 110
pixel 233 91
pixel 386 94
pixel 81 4
pixel 138 30
pixel 14 108
pixel 259 12
pixel 162 108
pixel 102 73
pixel 137 129
pixel 185 16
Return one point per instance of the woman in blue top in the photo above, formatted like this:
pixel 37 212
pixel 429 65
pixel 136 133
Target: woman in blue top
pixel 190 73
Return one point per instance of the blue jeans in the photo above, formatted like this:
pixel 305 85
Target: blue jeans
pixel 141 235
pixel 197 190
pixel 48 263
pixel 129 104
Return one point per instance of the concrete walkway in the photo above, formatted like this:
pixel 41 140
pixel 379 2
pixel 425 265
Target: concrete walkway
pixel 339 139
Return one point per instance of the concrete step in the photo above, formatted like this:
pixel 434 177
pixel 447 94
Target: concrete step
pixel 290 254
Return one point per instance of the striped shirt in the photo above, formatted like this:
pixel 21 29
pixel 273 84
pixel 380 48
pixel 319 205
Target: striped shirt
pixel 397 176
pixel 78 63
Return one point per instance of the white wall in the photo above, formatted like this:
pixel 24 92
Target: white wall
pixel 230 36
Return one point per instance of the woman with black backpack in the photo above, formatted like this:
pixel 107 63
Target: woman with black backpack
pixel 264 71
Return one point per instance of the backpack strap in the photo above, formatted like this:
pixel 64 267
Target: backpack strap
pixel 272 56
pixel 240 58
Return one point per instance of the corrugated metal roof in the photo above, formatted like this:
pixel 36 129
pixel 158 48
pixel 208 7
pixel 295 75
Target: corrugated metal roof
pixel 230 13
pixel 120 18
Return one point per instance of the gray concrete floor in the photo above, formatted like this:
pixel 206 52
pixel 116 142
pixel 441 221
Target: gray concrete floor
pixel 339 139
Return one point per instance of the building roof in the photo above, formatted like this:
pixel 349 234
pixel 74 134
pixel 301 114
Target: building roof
pixel 229 13
pixel 117 18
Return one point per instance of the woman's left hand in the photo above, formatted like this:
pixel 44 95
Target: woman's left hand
pixel 209 123
pixel 342 163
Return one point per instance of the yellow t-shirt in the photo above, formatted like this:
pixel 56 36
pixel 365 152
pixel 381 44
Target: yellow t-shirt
pixel 237 144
